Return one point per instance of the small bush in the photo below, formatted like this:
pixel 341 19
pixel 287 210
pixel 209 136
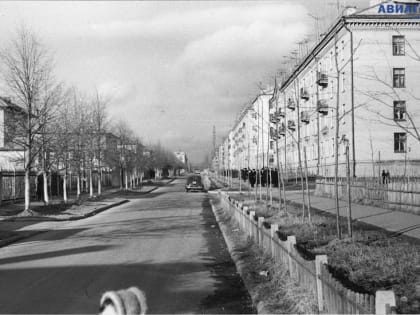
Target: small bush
pixel 372 260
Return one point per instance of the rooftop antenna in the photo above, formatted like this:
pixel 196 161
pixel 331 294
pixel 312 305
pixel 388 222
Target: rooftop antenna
pixel 318 25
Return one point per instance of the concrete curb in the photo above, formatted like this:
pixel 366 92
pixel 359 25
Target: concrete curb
pixel 260 306
pixel 96 211
pixel 14 239
pixel 74 218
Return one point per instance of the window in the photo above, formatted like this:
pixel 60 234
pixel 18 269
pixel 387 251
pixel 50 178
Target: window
pixel 400 142
pixel 398 45
pixel 399 110
pixel 398 77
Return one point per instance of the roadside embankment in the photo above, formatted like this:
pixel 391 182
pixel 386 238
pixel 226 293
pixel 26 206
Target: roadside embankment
pixel 272 290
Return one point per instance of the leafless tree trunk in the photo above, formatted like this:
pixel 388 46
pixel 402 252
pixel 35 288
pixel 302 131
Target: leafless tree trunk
pixel 27 73
pixel 90 183
pixel 46 197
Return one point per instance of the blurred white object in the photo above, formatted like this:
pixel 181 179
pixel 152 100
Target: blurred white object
pixel 123 302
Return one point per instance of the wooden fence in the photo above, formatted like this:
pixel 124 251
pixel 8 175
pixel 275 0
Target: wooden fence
pixel 12 184
pixel 313 274
pixel 397 193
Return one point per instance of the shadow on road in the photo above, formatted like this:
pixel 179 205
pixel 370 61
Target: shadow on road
pixel 205 282
pixel 52 254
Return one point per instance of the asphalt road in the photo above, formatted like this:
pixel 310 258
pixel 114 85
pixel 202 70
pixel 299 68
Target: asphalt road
pixel 166 243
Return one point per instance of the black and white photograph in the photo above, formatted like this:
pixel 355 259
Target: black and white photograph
pixel 210 157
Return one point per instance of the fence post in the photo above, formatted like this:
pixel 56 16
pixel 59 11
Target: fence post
pixel 384 300
pixel 319 261
pixel 244 210
pixel 1 186
pixel 291 241
pixel 259 231
pixel 274 228
pixel 251 222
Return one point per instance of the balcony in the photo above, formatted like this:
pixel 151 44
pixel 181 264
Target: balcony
pixel 291 125
pixel 322 79
pixel 282 130
pixel 273 118
pixel 304 117
pixel 291 104
pixel 273 134
pixel 322 107
pixel 304 94
pixel 280 113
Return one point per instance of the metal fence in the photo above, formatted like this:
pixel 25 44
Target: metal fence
pixel 313 274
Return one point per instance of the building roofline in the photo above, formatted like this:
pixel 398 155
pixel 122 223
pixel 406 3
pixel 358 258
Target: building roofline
pixel 335 28
pixel 6 102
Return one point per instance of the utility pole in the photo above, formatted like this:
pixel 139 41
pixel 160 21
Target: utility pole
pixel 337 125
pixel 349 218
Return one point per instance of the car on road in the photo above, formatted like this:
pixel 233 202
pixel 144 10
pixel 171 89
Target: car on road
pixel 194 183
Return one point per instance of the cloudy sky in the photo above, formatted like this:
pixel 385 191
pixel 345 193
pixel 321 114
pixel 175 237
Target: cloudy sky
pixel 172 69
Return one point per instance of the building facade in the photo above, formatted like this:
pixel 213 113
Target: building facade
pixel 356 88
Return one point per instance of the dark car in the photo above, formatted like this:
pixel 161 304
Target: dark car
pixel 194 183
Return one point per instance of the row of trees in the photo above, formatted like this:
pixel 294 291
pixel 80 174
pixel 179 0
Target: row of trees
pixel 64 130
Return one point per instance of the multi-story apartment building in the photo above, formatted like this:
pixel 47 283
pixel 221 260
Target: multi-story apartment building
pixel 357 87
pixel 248 144
pixel 366 70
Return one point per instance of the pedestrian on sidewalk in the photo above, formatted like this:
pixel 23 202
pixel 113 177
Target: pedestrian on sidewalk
pixel 252 178
pixel 387 177
pixel 383 176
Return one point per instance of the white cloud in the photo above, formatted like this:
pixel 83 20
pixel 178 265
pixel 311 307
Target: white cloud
pixel 171 68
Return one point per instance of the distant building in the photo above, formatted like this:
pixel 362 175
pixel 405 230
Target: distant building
pixel 182 156
pixel 12 118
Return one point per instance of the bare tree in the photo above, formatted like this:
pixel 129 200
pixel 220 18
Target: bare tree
pixel 48 111
pixel 125 149
pixel 27 72
pixel 100 123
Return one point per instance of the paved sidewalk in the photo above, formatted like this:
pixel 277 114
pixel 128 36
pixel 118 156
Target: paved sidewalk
pixel 388 219
pixel 391 220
